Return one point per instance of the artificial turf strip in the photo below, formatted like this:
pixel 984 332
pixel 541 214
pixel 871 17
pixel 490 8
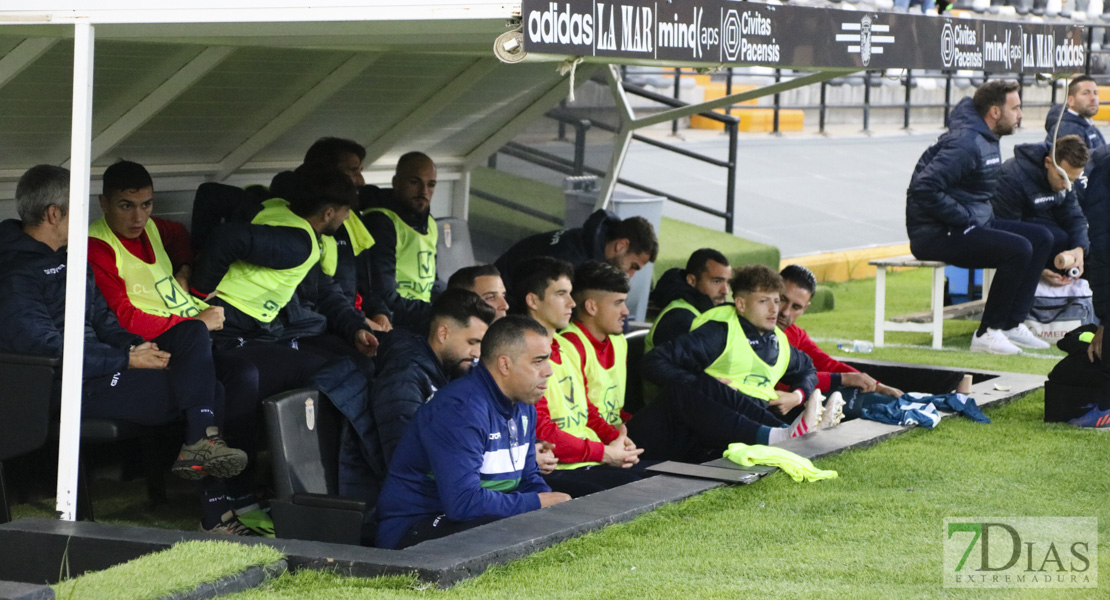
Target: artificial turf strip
pixel 875 532
pixel 181 568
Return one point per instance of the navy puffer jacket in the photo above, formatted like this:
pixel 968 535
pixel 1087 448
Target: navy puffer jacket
pixel 954 180
pixel 1073 124
pixel 409 373
pixel 576 246
pixel 1024 194
pixel 32 306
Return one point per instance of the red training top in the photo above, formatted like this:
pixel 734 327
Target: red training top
pixel 569 448
pixel 825 364
pixel 103 260
pixel 605 355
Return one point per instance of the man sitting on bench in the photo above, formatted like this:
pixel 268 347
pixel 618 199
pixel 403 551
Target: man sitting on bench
pixel 1036 189
pixel 468 457
pixel 686 293
pixel 484 280
pixel 719 380
pixel 593 454
pixel 799 287
pixel 125 377
pixel 628 244
pixel 949 216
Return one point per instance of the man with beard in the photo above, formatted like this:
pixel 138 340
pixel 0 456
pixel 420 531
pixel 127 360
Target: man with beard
pixel 1082 104
pixel 686 293
pixel 949 216
pixel 628 245
pixel 468 458
pixel 403 258
pixel 412 368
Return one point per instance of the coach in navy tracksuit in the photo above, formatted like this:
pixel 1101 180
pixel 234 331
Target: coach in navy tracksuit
pixel 469 455
pixel 1082 104
pixel 949 216
pixel 1034 191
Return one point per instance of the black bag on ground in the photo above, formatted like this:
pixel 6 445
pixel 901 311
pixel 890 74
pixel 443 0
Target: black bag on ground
pixel 1075 382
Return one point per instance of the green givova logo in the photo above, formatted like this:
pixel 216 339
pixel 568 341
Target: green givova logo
pixel 1021 552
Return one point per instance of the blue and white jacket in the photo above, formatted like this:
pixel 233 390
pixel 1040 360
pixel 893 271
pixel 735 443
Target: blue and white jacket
pixel 469 453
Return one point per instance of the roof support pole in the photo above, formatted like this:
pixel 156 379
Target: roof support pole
pixel 295 112
pixel 22 56
pixel 478 155
pixel 622 139
pixel 158 99
pixel 430 107
pixel 69 440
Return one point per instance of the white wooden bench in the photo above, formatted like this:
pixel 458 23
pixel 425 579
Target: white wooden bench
pixel 931 323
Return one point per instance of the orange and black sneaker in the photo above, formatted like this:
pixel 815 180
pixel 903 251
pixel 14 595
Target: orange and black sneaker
pixel 209 456
pixel 1095 418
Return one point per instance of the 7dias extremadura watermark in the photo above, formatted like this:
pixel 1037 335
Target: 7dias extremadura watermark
pixel 1041 552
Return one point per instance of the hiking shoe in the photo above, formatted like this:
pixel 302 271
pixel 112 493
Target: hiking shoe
pixel 231 525
pixel 209 456
pixel 1094 419
pixel 834 411
pixel 258 521
pixel 993 341
pixel 1021 336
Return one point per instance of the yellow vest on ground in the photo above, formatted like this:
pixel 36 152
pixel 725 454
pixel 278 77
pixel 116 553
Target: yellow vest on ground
pixel 605 387
pixel 566 398
pixel 261 292
pixel 416 257
pixel 680 304
pixel 150 288
pixel 739 363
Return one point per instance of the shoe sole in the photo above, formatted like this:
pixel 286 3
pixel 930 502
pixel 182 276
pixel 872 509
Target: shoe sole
pixel 221 467
pixel 982 350
pixel 837 413
pixel 1030 346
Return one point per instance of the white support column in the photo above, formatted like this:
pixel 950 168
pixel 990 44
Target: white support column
pixel 622 139
pixel 295 113
pixel 938 307
pixel 22 56
pixel 69 439
pixel 158 99
pixel 880 305
pixel 481 152
pixel 430 107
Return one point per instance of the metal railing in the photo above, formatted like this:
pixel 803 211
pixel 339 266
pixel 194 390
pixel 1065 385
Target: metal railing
pixel 907 78
pixel 577 166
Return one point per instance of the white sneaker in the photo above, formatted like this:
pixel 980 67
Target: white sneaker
pixel 834 411
pixel 1021 336
pixel 993 341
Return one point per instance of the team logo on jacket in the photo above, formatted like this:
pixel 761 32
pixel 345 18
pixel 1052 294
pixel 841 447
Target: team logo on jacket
pixel 866 41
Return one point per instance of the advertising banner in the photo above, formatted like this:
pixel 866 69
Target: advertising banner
pixel 723 32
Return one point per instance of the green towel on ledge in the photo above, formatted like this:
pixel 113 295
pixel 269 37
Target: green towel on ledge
pixel 801 469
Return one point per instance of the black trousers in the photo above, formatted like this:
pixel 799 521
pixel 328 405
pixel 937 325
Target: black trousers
pixel 696 422
pixel 437 526
pixel 159 396
pixel 1019 251
pixel 597 478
